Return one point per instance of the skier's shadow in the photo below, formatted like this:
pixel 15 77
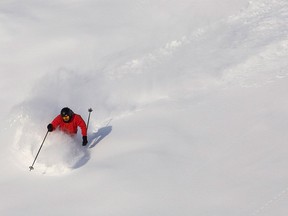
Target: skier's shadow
pixel 99 135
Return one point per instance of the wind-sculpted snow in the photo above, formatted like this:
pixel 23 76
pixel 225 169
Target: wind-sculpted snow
pixel 247 49
pixel 260 32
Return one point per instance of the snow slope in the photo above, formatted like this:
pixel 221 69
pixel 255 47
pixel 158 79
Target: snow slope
pixel 189 98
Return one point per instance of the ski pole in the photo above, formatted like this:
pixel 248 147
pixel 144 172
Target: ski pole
pixel 31 167
pixel 89 110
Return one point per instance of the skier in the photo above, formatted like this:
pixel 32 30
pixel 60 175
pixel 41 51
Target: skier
pixel 68 122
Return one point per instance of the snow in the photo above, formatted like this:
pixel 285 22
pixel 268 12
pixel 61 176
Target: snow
pixel 189 99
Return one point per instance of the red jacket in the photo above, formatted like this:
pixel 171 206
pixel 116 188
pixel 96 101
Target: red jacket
pixel 72 126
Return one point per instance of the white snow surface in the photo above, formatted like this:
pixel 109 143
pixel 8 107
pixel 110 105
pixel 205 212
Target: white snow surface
pixel 190 101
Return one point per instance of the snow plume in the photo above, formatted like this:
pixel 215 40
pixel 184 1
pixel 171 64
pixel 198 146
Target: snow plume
pixel 60 153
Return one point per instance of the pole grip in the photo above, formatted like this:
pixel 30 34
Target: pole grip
pixel 89 110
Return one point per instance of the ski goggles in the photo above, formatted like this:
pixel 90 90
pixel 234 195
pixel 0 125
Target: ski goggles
pixel 66 118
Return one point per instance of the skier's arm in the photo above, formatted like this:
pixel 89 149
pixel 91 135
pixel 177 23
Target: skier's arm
pixel 56 122
pixel 82 125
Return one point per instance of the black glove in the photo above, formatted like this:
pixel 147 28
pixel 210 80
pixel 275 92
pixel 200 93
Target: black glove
pixel 50 127
pixel 85 141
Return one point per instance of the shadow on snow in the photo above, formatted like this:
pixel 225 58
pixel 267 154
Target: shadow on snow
pixel 99 135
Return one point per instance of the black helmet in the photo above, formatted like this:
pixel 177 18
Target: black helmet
pixel 66 112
